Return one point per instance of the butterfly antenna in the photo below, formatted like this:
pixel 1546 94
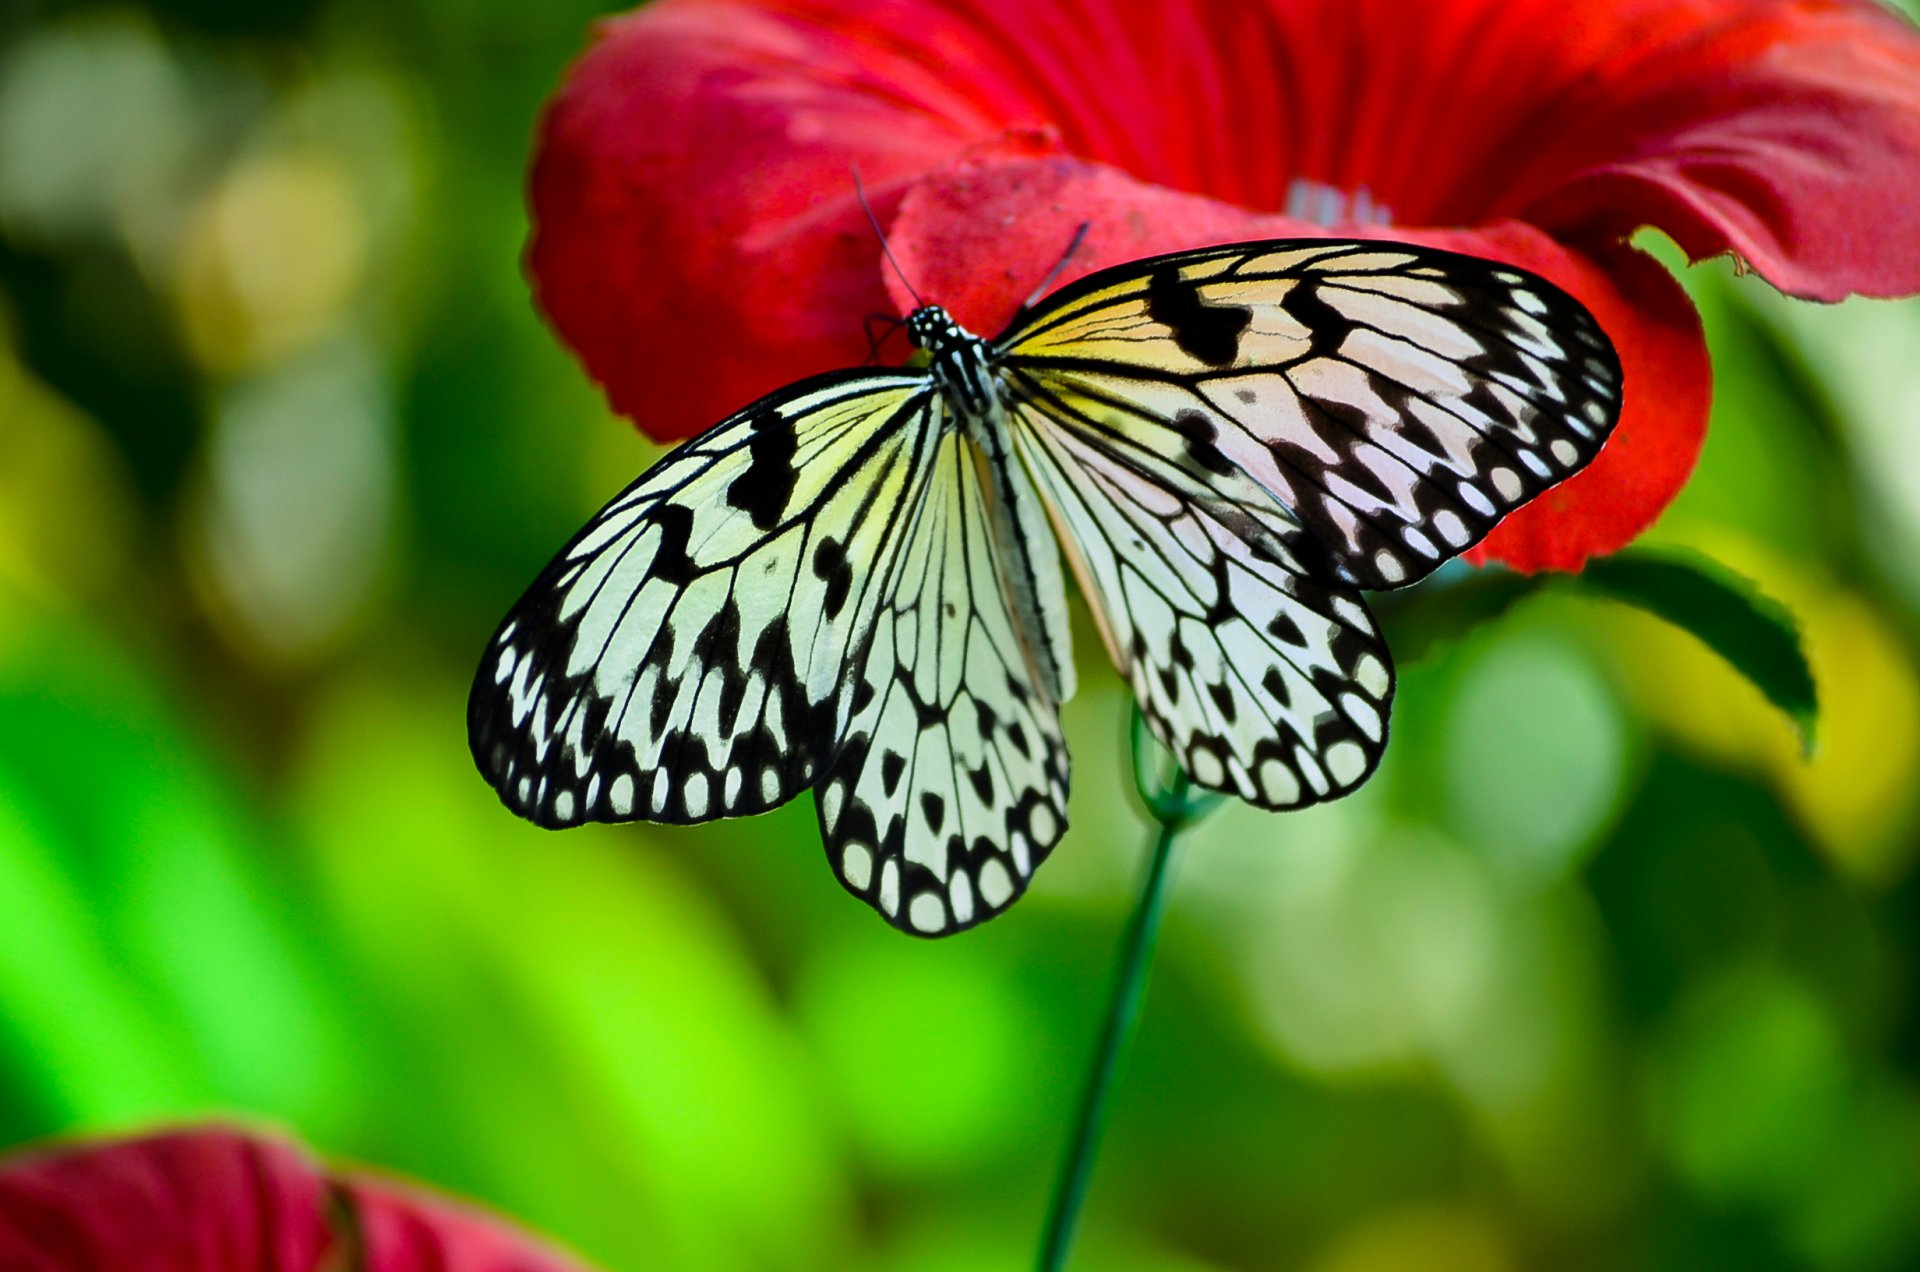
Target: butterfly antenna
pixel 1053 275
pixel 861 191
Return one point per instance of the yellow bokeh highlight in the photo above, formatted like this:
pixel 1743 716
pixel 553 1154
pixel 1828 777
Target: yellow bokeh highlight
pixel 1856 796
pixel 66 507
pixel 1429 1238
pixel 270 259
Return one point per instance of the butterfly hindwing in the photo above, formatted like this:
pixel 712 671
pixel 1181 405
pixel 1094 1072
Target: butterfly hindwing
pixel 951 786
pixel 1264 678
pixel 685 657
pixel 1400 400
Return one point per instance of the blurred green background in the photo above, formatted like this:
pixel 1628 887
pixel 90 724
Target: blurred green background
pixel 1597 974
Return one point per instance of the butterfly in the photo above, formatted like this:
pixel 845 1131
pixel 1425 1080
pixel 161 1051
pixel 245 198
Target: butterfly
pixel 855 584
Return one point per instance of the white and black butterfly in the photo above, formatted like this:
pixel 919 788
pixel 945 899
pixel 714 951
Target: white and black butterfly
pixel 853 584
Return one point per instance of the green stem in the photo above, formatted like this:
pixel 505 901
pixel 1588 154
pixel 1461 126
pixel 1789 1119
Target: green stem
pixel 1123 1010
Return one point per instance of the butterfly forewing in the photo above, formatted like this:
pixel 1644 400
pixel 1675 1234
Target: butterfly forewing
pixel 1399 400
pixel 951 786
pixel 685 657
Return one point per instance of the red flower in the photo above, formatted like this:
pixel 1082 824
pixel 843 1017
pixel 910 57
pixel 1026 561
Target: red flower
pixel 218 1200
pixel 698 242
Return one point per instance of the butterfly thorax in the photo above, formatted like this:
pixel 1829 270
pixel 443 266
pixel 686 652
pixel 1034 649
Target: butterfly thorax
pixel 960 362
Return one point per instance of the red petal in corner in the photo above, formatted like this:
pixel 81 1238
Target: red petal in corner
pixel 184 1201
pixel 1021 213
pixel 213 1199
pixel 406 1229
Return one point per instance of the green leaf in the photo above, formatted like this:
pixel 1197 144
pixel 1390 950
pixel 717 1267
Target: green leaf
pixel 1756 634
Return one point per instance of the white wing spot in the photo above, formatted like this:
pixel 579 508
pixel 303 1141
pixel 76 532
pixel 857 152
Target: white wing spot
pixel 926 913
pixel 1507 482
pixel 1389 565
pixel 620 794
pixel 1452 529
pixel 1564 451
pixel 1476 499
pixel 731 794
pixel 1351 614
pixel 1206 769
pixel 694 795
pixel 960 893
pixel 856 865
pixel 1361 712
pixel 1372 676
pixel 504 668
pixel 769 784
pixel 890 886
pixel 1346 761
pixel 563 805
pixel 996 887
pixel 1040 822
pixel 1310 769
pixel 659 790
pixel 830 801
pixel 1022 859
pixel 1278 783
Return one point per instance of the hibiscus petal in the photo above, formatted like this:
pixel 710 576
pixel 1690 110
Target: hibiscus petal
pixel 214 1199
pixel 184 1201
pixel 1784 131
pixel 1021 213
pixel 697 236
pixel 406 1229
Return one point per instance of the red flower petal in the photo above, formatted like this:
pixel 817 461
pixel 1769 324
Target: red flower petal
pixel 1021 213
pixel 1784 131
pixel 406 1229
pixel 219 1200
pixel 697 236
pixel 183 1201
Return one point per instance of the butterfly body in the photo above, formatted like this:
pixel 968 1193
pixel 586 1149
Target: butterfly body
pixel 856 583
pixel 961 365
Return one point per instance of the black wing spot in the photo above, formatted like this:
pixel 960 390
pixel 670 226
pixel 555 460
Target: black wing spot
pixel 764 489
pixel 892 765
pixel 671 564
pixel 1200 434
pixel 830 567
pixel 934 809
pixel 1327 328
pixel 982 779
pixel 1284 628
pixel 1208 333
